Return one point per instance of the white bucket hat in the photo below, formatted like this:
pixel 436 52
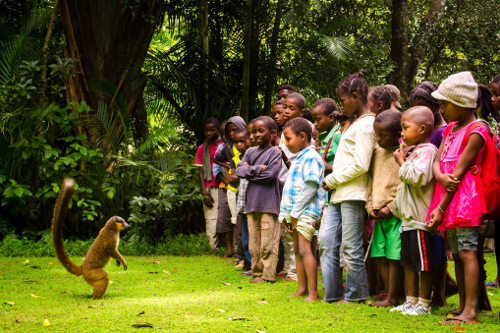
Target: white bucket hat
pixel 459 89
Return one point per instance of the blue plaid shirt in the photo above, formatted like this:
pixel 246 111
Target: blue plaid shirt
pixel 307 166
pixel 241 201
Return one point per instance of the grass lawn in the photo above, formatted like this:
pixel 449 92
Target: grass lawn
pixel 188 294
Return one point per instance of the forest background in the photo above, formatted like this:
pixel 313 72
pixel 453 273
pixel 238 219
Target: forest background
pixel 114 93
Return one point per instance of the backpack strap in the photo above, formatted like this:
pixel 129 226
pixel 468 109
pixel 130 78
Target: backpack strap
pixel 469 131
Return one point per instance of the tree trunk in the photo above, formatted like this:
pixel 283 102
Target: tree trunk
pixel 399 42
pixel 111 41
pixel 247 60
pixel 203 30
pixel 45 51
pixel 271 69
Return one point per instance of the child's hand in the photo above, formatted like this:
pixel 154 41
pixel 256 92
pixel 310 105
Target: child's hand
pixel 325 187
pixel 262 167
pixel 449 182
pixel 373 214
pixel 287 228
pixel 232 171
pixel 245 164
pixel 399 156
pixel 208 201
pixel 436 218
pixel 293 222
pixel 384 213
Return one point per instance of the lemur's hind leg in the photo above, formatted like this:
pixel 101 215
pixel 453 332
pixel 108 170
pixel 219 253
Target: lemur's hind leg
pixel 98 279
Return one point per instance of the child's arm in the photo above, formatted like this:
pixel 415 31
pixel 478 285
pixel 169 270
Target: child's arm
pixel 417 172
pixel 449 182
pixel 369 202
pixel 221 178
pixel 207 198
pixel 475 143
pixel 365 144
pixel 232 176
pixel 260 173
pixel 220 159
pixel 304 199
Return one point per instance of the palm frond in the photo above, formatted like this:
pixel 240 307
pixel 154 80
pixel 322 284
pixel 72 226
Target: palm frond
pixel 338 47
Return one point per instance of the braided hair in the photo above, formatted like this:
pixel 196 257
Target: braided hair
pixel 382 94
pixel 354 83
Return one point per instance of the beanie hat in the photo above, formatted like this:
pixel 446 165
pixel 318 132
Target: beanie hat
pixel 459 89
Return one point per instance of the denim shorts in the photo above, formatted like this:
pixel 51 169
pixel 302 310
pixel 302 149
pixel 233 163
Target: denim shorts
pixel 463 239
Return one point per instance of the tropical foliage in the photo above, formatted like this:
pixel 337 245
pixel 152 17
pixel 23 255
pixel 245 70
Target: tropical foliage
pixel 114 93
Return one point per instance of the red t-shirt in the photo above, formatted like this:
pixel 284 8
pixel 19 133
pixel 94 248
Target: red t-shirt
pixel 199 161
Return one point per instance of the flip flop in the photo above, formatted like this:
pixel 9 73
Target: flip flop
pixel 448 321
pixel 491 284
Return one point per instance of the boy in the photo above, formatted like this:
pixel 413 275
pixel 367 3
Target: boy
pixel 208 184
pixel 285 90
pixel 413 198
pixel 302 202
pixel 261 166
pixel 224 225
pixel 228 157
pixel 278 115
pixel 293 107
pixel 383 180
pixel 242 142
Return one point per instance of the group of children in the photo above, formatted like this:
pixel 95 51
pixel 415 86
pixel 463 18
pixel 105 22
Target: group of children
pixel 399 187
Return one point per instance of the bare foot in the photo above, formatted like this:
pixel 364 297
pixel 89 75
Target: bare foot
pixel 257 280
pixel 299 293
pixel 313 297
pixel 228 255
pixel 386 303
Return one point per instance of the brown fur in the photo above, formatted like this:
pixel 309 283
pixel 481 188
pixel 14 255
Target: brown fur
pixel 100 253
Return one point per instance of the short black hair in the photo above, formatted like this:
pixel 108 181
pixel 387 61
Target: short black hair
pixel 391 118
pixel 287 87
pixel 308 116
pixel 496 79
pixel 299 98
pixel 327 106
pixel 212 121
pixel 241 130
pixel 354 83
pixel 299 125
pixel 279 102
pixel 423 92
pixel 382 94
pixel 251 122
pixel 270 123
pixel 485 105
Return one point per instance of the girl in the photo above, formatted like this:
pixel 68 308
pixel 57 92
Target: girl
pixel 344 221
pixel 379 99
pixel 456 206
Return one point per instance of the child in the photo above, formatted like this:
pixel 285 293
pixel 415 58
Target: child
pixel 208 184
pixel 412 203
pixel 229 157
pixel 495 100
pixel 443 285
pixel 261 166
pixel 285 90
pixel 456 206
pixel 396 97
pixel 383 180
pixel 422 95
pixel 329 130
pixel 344 222
pixel 302 202
pixel 278 115
pixel 224 225
pixel 379 99
pixel 242 142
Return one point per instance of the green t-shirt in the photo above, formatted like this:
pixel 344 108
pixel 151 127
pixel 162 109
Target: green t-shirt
pixel 332 148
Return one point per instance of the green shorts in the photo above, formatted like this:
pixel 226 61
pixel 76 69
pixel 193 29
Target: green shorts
pixel 387 238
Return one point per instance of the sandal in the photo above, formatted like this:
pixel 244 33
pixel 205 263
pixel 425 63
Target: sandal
pixel 448 321
pixel 491 284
